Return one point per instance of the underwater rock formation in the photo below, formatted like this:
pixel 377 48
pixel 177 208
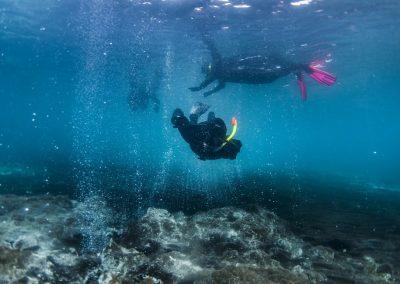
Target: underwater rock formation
pixel 41 241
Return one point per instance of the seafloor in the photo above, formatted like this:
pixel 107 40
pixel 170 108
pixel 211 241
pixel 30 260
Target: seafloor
pixel 41 241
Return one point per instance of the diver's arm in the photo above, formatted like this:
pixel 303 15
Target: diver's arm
pixel 212 48
pixel 203 84
pixel 220 86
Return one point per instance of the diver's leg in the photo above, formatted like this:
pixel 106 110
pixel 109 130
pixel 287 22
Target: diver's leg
pixel 220 86
pixel 193 118
pixel 211 116
pixel 203 84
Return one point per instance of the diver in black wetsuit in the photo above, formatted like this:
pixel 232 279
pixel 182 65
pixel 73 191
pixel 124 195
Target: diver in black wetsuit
pixel 143 92
pixel 258 69
pixel 207 139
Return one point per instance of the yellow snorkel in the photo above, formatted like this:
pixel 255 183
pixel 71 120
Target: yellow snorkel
pixel 233 133
pixel 234 130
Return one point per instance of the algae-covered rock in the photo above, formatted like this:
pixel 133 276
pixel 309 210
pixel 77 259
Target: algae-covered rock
pixel 45 244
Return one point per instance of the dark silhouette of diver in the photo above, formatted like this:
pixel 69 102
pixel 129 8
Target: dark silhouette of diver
pixel 208 139
pixel 258 69
pixel 143 92
pixel 140 97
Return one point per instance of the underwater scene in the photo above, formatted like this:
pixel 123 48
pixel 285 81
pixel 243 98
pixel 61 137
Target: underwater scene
pixel 199 141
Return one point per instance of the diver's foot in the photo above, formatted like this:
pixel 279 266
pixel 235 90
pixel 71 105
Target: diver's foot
pixel 199 109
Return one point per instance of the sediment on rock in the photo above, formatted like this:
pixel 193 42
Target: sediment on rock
pixel 41 241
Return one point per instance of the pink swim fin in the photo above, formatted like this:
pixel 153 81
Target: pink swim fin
pixel 302 86
pixel 322 77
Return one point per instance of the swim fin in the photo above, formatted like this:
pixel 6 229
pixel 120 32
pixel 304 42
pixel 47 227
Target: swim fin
pixel 199 108
pixel 302 86
pixel 322 77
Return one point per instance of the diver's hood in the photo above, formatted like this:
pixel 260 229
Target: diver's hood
pixel 179 119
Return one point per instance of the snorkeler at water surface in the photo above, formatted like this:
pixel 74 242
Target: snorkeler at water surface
pixel 208 139
pixel 258 69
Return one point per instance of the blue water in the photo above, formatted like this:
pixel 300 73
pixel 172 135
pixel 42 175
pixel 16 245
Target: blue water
pixel 65 120
pixel 66 65
pixel 76 161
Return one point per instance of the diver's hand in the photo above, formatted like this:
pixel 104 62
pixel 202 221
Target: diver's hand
pixel 206 94
pixel 195 89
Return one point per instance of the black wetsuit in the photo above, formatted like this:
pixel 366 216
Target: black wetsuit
pixel 257 69
pixel 206 138
pixel 143 91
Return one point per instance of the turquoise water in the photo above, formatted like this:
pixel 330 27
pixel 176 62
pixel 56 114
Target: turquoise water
pixel 66 69
pixel 66 126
